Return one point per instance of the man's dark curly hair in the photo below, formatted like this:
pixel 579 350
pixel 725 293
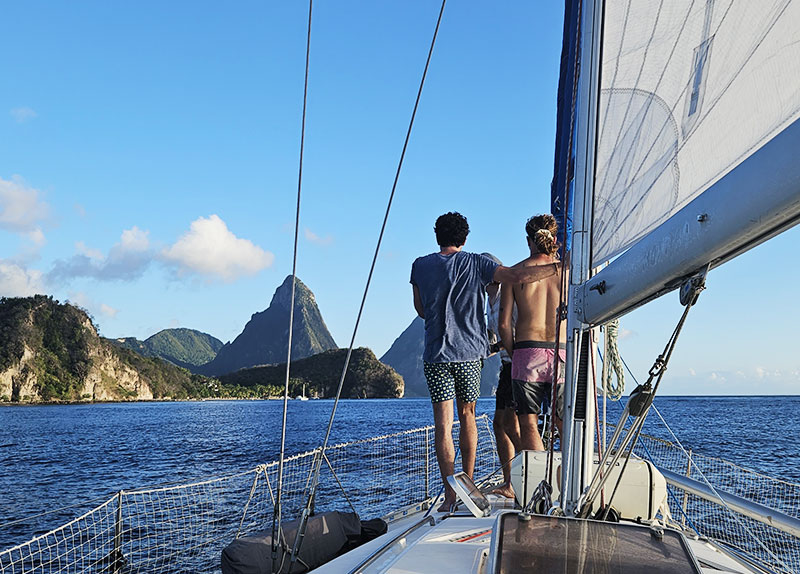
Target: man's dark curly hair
pixel 451 229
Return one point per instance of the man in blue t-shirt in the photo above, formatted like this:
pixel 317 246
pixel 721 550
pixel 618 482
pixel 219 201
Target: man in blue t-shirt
pixel 449 288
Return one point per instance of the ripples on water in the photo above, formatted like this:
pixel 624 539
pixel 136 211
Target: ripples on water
pixel 55 456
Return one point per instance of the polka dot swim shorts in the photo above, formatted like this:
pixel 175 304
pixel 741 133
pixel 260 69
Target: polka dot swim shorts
pixel 449 380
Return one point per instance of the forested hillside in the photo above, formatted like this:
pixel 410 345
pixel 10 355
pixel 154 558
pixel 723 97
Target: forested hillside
pixel 50 351
pixel 366 377
pixel 185 348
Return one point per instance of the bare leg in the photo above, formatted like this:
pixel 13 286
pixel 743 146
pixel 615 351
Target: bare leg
pixel 530 438
pixel 467 435
pixel 445 451
pixel 506 432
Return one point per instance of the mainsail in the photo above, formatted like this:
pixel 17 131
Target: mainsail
pixel 684 143
pixel 689 89
pixel 684 125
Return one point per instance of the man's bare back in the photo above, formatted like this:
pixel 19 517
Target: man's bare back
pixel 537 305
pixel 534 354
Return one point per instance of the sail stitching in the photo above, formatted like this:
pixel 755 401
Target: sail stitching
pixel 627 215
pixel 711 106
pixel 648 104
pixel 638 78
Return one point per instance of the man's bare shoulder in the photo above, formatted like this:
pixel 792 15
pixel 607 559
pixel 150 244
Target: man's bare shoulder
pixel 527 262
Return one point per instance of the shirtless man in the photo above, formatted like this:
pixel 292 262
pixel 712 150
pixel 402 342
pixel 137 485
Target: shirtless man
pixel 533 338
pixel 449 293
pixel 504 423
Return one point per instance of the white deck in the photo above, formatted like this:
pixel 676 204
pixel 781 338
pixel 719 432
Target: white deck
pixel 461 543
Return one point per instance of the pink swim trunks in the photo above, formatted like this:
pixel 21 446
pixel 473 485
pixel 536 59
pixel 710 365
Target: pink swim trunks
pixel 533 362
pixel 532 376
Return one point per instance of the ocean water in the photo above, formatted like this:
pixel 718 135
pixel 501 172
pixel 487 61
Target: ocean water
pixel 70 458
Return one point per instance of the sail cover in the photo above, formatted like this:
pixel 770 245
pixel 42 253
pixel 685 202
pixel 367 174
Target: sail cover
pixel 689 89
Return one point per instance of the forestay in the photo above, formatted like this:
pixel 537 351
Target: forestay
pixel 689 90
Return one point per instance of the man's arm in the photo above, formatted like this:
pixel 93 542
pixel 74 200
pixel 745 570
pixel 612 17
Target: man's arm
pixel 506 316
pixel 418 302
pixel 524 274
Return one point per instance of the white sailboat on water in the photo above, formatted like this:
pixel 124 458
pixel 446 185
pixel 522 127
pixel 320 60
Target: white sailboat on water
pixel 650 89
pixel 677 145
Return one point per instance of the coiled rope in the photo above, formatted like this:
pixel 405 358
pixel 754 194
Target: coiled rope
pixel 613 369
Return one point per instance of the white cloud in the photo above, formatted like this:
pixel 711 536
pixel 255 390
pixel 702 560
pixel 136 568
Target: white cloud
pixel 83 300
pixel 746 381
pixel 626 334
pixel 17 281
pixel 80 299
pixel 209 248
pixel 23 114
pixel 126 260
pixel 314 238
pixel 95 254
pixel 134 242
pixel 22 210
pixel 36 237
pixel 108 311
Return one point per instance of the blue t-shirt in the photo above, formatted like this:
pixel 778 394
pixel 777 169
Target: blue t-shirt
pixel 452 289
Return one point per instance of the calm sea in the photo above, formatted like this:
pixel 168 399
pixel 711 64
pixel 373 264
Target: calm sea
pixel 77 456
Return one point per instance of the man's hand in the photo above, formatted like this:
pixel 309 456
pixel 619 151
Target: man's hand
pixel 529 274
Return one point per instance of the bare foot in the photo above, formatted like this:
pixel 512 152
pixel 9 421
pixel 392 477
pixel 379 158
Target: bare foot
pixel 504 489
pixel 447 506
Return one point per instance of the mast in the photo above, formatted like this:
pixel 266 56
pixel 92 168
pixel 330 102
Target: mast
pixel 579 403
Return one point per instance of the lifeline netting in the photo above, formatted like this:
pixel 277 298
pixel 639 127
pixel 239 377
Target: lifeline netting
pixel 765 544
pixel 184 528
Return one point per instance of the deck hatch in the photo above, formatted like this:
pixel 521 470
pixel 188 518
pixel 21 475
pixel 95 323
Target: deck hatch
pixel 549 544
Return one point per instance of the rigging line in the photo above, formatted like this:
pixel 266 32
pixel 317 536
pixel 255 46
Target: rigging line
pixel 600 446
pixel 702 475
pixel 658 370
pixel 30 517
pixel 721 500
pixel 711 486
pixel 339 482
pixel 673 496
pixel 276 513
pixel 306 510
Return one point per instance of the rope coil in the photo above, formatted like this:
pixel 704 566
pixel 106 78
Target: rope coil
pixel 613 369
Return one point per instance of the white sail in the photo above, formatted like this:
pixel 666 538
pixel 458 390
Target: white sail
pixel 689 90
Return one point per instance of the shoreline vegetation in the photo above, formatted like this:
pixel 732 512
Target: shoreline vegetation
pixel 291 398
pixel 189 400
pixel 51 353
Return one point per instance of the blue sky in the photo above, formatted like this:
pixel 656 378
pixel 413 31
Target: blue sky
pixel 148 170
